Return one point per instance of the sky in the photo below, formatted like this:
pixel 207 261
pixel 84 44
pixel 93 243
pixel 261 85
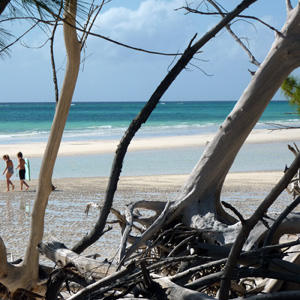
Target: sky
pixel 113 73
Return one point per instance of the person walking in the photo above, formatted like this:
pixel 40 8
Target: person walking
pixel 9 169
pixel 22 171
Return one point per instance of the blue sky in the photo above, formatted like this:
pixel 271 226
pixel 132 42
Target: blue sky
pixel 113 73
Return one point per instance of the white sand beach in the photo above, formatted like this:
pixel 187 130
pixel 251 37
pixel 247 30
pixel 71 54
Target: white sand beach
pixel 88 147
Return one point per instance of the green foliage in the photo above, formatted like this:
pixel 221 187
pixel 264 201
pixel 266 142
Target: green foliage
pixel 291 91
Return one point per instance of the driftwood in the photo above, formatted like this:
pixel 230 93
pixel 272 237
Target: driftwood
pixel 172 285
pixel 87 267
pixel 85 293
pixel 174 291
pixel 199 273
pixel 250 224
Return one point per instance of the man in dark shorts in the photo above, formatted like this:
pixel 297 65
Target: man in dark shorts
pixel 21 167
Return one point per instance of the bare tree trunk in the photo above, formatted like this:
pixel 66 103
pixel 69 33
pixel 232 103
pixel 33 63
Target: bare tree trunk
pixel 26 275
pixel 60 119
pixel 201 192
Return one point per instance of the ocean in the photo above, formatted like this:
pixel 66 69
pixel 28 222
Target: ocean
pixel 24 122
pixel 31 122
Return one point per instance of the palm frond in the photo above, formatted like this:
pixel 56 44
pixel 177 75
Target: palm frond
pixel 4 37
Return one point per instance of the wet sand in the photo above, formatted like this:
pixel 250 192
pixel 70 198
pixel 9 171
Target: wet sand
pixel 67 222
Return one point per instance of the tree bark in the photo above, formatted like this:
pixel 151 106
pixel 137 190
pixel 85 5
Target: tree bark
pixel 60 255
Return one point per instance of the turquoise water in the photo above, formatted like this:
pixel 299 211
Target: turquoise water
pixel 24 122
pixel 252 157
pixel 103 120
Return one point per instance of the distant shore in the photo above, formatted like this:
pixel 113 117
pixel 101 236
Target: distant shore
pixel 88 147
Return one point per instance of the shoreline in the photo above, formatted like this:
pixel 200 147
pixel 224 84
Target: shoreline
pixel 173 181
pixel 90 147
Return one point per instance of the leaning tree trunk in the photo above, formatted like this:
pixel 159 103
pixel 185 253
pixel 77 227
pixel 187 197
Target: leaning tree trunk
pixel 198 202
pixel 201 192
pixel 26 274
pixel 142 117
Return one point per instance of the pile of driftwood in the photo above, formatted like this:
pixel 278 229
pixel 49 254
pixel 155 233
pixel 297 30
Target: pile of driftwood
pixel 179 263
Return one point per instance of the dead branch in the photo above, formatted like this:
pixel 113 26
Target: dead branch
pixel 88 267
pixel 250 223
pixel 196 11
pixel 88 26
pixel 234 210
pixel 84 293
pixel 293 150
pixel 53 60
pixel 176 292
pixel 236 38
pixel 147 234
pixel 128 228
pixel 17 39
pixel 279 220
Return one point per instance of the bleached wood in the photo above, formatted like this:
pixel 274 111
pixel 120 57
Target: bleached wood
pixel 127 230
pixel 176 292
pixel 26 274
pixel 88 267
pixel 148 233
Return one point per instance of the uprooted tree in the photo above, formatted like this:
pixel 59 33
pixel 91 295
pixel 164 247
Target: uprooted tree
pixel 192 243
